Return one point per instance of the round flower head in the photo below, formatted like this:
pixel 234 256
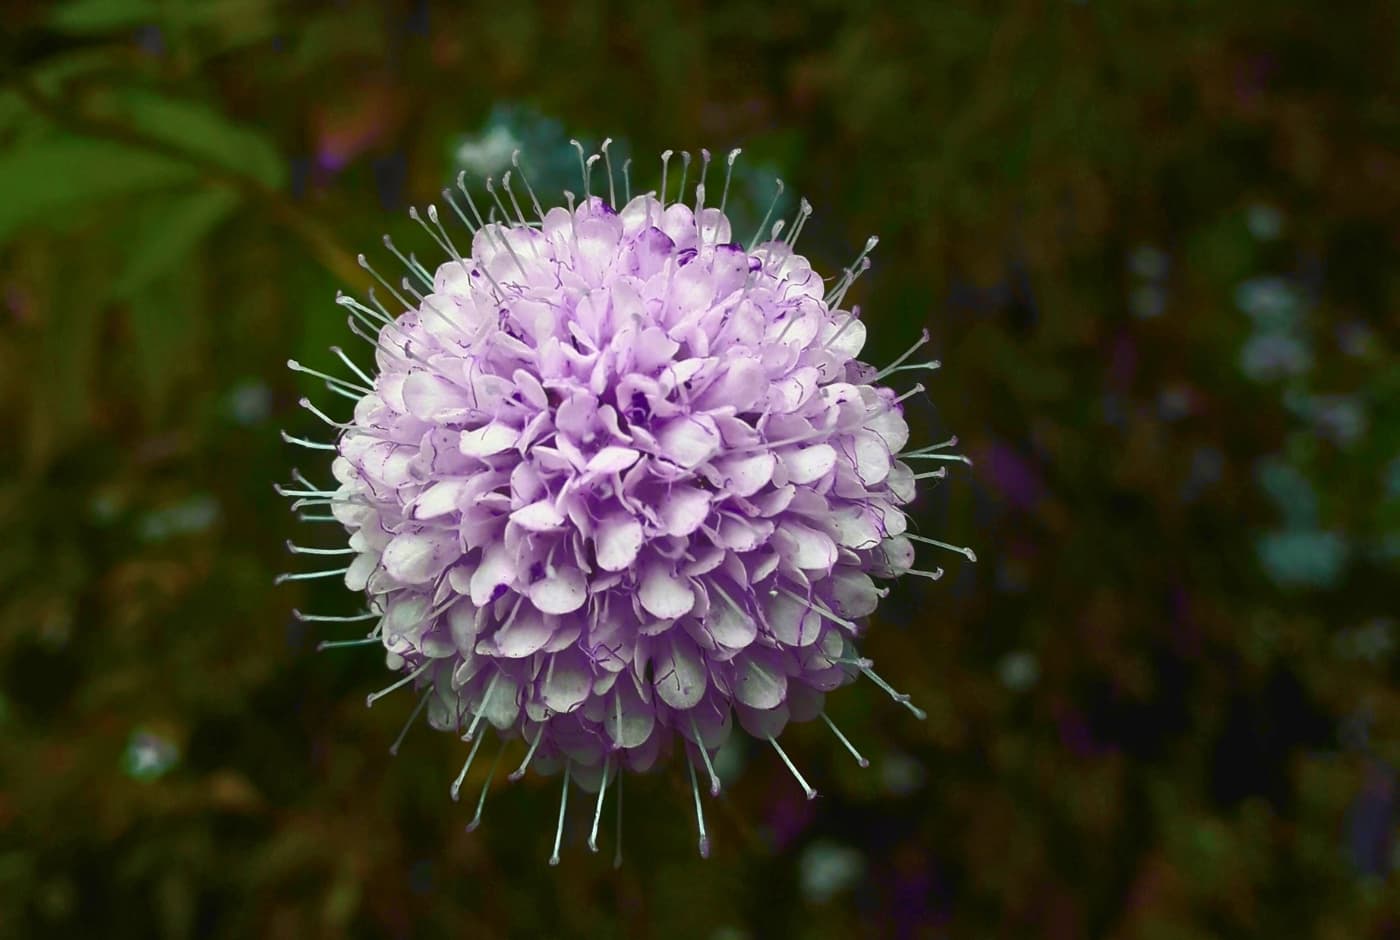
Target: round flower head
pixel 619 483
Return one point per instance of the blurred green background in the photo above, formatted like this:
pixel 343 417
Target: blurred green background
pixel 1156 245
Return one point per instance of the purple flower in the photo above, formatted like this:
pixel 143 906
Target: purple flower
pixel 619 482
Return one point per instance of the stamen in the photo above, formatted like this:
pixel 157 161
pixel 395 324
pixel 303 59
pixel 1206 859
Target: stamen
pixel 665 166
pixel 515 203
pixel 705 756
pixel 413 267
pixel 965 552
pixel 519 772
pixel 607 162
pixel 854 270
pixel 923 338
pixel 627 179
pixel 848 278
pixel 350 364
pixel 582 165
pixel 797 775
pixel 420 268
pixel 485 697
pixel 598 808
pixel 931 365
pixel 844 740
pixel 364 263
pixel 563 803
pixel 700 187
pixel 302 550
pixel 322 618
pixel 312 517
pixel 456 788
pixel 472 227
pixel 804 212
pixel 699 811
pixel 491 188
pixel 938 474
pixel 403 733
pixel 958 458
pixel 820 610
pixel 685 173
pixel 767 215
pixel 728 172
pixel 588 176
pixel 515 162
pixel 440 236
pixel 899 697
pixel 950 442
pixel 329 379
pixel 376 696
pixel 909 394
pixel 934 575
pixel 306 403
pixel 309 575
pixel 302 442
pixel 490 775
pixel 337 644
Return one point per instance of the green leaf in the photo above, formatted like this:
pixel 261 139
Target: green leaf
pixel 49 179
pixel 201 130
pixel 167 234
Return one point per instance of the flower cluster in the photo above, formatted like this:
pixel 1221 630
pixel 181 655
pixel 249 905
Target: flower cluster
pixel 619 481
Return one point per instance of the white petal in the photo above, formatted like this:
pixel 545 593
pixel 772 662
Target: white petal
pixel 539 516
pixel 665 595
pixel 793 624
pixel 808 464
pixel 612 460
pixel 618 539
pixel 496 568
pixel 688 441
pixel 807 548
pixel 430 397
pixel 416 557
pixel 760 687
pixel 729 627
pixel 439 499
pixel 870 457
pixel 561 594
pixel 567 681
pixel 489 439
pixel 527 632
pixel 684 510
pixel 680 674
pixel 854 593
pixel 360 569
pixel 745 476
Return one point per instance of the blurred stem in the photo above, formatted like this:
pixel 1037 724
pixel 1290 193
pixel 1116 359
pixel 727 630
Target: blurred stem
pixel 316 235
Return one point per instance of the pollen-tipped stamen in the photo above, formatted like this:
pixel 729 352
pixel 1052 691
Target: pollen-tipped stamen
pixel 376 696
pixel 844 740
pixel 519 772
pixel 456 789
pixel 705 756
pixel 486 786
pixel 598 807
pixel 563 804
pixel 792 768
pixel 699 811
pixel 413 716
pixel 309 575
pixel 960 549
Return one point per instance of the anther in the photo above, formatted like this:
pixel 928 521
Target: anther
pixel 699 810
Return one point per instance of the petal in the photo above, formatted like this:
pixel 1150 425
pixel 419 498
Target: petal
pixel 793 623
pixel 618 540
pixel 563 593
pixel 540 516
pixel 806 548
pixel 729 627
pixel 688 441
pixel 489 439
pixel 870 457
pixel 496 569
pixel 808 464
pixel 745 476
pixel 525 633
pixel 629 721
pixel 681 677
pixel 431 397
pixel 854 593
pixel 567 681
pixel 439 499
pixel 665 595
pixel 761 687
pixel 416 557
pixel 684 510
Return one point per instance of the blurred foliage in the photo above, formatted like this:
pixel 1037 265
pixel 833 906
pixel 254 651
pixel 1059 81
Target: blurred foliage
pixel 1156 244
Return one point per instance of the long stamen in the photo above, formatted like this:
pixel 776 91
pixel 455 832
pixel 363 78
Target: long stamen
pixel 705 756
pixel 306 403
pixel 607 162
pixel 700 187
pixel 909 394
pixel 403 733
pixel 302 442
pixel 330 379
pixel 309 575
pixel 819 610
pixel 887 370
pixel 303 550
pixel 804 212
pixel 961 550
pixel 485 697
pixel 767 215
pixel 515 162
pixel 699 811
pixel 490 775
pixel 932 365
pixel 938 474
pixel 797 774
pixel 519 772
pixel 322 618
pixel 844 740
pixel 627 179
pixel 338 644
pixel 563 803
pixel 582 165
pixel 685 173
pixel 955 458
pixel 728 172
pixel 934 575
pixel 364 263
pixel 411 263
pixel 889 690
pixel 598 807
pixel 315 517
pixel 376 696
pixel 456 788
pixel 950 442
pixel 854 270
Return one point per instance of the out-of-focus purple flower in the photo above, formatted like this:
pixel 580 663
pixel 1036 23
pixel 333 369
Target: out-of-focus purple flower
pixel 618 481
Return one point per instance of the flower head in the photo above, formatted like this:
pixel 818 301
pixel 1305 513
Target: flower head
pixel 619 482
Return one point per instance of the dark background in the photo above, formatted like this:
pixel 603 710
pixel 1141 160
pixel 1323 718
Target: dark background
pixel 1156 246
